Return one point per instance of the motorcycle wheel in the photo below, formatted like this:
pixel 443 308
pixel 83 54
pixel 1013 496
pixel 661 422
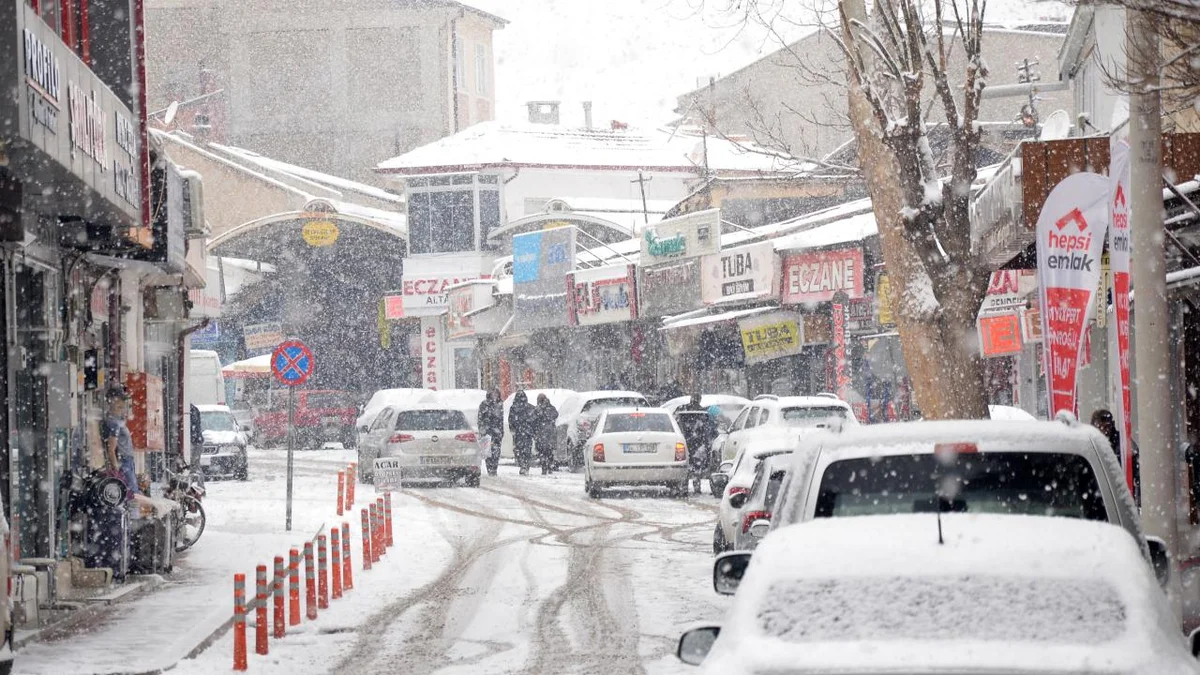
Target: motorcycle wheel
pixel 192 526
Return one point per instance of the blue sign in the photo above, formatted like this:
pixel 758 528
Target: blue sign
pixel 541 261
pixel 292 363
pixel 209 336
pixel 527 254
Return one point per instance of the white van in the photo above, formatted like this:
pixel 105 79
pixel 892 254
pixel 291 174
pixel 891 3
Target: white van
pixel 205 383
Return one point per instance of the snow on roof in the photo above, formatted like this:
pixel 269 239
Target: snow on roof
pixel 1004 593
pixel 325 180
pixel 852 229
pixel 495 144
pixel 703 319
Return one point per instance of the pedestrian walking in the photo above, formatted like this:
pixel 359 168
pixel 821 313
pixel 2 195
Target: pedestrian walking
pixel 197 439
pixel 1103 420
pixel 491 423
pixel 521 425
pixel 118 443
pixel 545 416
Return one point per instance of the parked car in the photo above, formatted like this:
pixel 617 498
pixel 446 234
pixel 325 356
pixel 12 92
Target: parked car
pixel 731 406
pixel 244 413
pixel 557 397
pixel 381 399
pixel 965 593
pixel 636 446
pixel 577 419
pixel 427 441
pixel 784 416
pixel 223 454
pixel 466 400
pixel 736 494
pixel 760 500
pixel 321 416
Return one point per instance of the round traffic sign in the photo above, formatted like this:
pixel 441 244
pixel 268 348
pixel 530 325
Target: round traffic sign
pixel 292 363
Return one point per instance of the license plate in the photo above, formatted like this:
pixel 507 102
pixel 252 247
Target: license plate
pixel 639 448
pixel 437 459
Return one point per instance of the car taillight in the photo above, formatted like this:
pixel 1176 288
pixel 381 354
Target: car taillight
pixel 598 452
pixel 680 452
pixel 467 437
pixel 738 491
pixel 752 516
pixel 400 438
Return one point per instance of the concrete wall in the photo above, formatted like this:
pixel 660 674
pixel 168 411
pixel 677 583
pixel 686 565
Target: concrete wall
pixel 796 98
pixel 336 86
pixel 476 88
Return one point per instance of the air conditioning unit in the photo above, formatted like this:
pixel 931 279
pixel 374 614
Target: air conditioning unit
pixel 195 226
pixel 165 303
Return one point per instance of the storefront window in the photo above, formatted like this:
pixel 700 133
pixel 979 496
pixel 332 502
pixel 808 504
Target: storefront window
pixel 442 214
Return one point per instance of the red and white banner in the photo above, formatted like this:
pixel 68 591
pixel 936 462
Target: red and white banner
pixel 818 276
pixel 1118 255
pixel 1070 237
pixel 841 364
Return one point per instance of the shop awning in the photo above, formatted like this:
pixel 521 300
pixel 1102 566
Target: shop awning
pixel 258 366
pixel 689 320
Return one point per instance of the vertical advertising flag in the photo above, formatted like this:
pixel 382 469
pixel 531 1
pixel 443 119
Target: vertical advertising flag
pixel 1118 253
pixel 1070 237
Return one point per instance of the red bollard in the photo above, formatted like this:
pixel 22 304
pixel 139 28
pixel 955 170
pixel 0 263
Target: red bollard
pixel 322 572
pixel 381 537
pixel 294 587
pixel 366 537
pixel 387 517
pixel 260 600
pixel 277 584
pixel 239 622
pixel 347 567
pixel 310 582
pixel 341 491
pixel 373 516
pixel 351 479
pixel 335 542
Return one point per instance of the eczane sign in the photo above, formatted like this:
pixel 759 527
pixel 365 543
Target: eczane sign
pixel 818 276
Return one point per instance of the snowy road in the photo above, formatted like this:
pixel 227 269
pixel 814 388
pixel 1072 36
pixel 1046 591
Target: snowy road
pixel 525 574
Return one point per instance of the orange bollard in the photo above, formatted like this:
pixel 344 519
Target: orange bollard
pixel 381 535
pixel 322 572
pixel 347 567
pixel 335 541
pixel 277 584
pixel 373 516
pixel 260 600
pixel 294 587
pixel 341 491
pixel 310 582
pixel 387 517
pixel 366 537
pixel 351 479
pixel 239 622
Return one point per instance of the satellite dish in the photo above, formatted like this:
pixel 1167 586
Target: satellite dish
pixel 170 114
pixel 1056 127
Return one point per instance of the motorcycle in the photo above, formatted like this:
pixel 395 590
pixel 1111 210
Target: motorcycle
pixel 187 489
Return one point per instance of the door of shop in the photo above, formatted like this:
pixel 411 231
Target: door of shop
pixel 30 460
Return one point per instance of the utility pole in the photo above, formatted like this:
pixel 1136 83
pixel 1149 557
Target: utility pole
pixel 1151 330
pixel 641 181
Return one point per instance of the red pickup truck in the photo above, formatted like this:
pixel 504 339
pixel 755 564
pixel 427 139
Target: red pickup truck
pixel 322 416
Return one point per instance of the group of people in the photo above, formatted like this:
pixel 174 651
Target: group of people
pixel 532 428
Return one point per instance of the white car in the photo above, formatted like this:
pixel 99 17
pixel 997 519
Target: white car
pixel 737 490
pixel 466 400
pixel 577 418
pixel 224 450
pixel 731 406
pixel 428 442
pixel 557 398
pixel 380 400
pixel 967 594
pixel 760 501
pixel 636 446
pixel 784 416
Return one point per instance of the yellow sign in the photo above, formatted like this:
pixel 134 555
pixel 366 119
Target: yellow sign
pixel 764 340
pixel 319 233
pixel 883 297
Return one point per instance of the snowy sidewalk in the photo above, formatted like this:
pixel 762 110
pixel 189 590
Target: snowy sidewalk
pixel 245 528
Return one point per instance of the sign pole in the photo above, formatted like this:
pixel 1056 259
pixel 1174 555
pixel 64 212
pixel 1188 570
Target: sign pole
pixel 291 450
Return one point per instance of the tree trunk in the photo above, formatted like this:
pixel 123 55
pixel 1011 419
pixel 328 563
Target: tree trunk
pixel 940 346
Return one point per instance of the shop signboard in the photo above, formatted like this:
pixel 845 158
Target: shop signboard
pixel 1070 236
pixel 1008 291
pixel 689 236
pixel 816 276
pixel 208 336
pixel 771 336
pixel 860 315
pixel 262 338
pixel 999 334
pixel 841 364
pixel 1031 324
pixel 1118 248
pixel 601 295
pixel 462 300
pixel 669 288
pixel 425 294
pixel 393 307
pixel 206 302
pixel 883 300
pixel 432 357
pixel 541 261
pixel 744 273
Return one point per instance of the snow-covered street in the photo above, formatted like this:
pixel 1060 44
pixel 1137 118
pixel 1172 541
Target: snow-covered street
pixel 525 574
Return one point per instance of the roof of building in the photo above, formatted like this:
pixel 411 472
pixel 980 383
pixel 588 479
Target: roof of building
pixel 495 144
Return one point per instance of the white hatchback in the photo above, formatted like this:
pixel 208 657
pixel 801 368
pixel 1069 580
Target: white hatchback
pixel 636 446
pixel 429 442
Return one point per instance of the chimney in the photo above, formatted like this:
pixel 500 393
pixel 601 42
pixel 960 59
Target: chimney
pixel 543 112
pixel 587 114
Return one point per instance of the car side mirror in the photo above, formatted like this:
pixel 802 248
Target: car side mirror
pixel 1160 560
pixel 759 528
pixel 695 644
pixel 728 570
pixel 718 482
pixel 1194 642
pixel 739 500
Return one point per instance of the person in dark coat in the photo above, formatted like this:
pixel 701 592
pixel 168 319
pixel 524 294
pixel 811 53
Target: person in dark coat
pixel 197 439
pixel 1103 421
pixel 491 423
pixel 545 415
pixel 522 425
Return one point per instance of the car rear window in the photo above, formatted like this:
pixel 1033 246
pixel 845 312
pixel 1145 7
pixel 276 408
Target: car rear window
pixel 637 422
pixel 218 420
pixel 596 405
pixel 976 607
pixel 328 400
pixel 809 415
pixel 1043 484
pixel 431 420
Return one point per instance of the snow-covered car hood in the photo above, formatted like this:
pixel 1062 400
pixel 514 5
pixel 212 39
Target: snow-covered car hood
pixel 224 438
